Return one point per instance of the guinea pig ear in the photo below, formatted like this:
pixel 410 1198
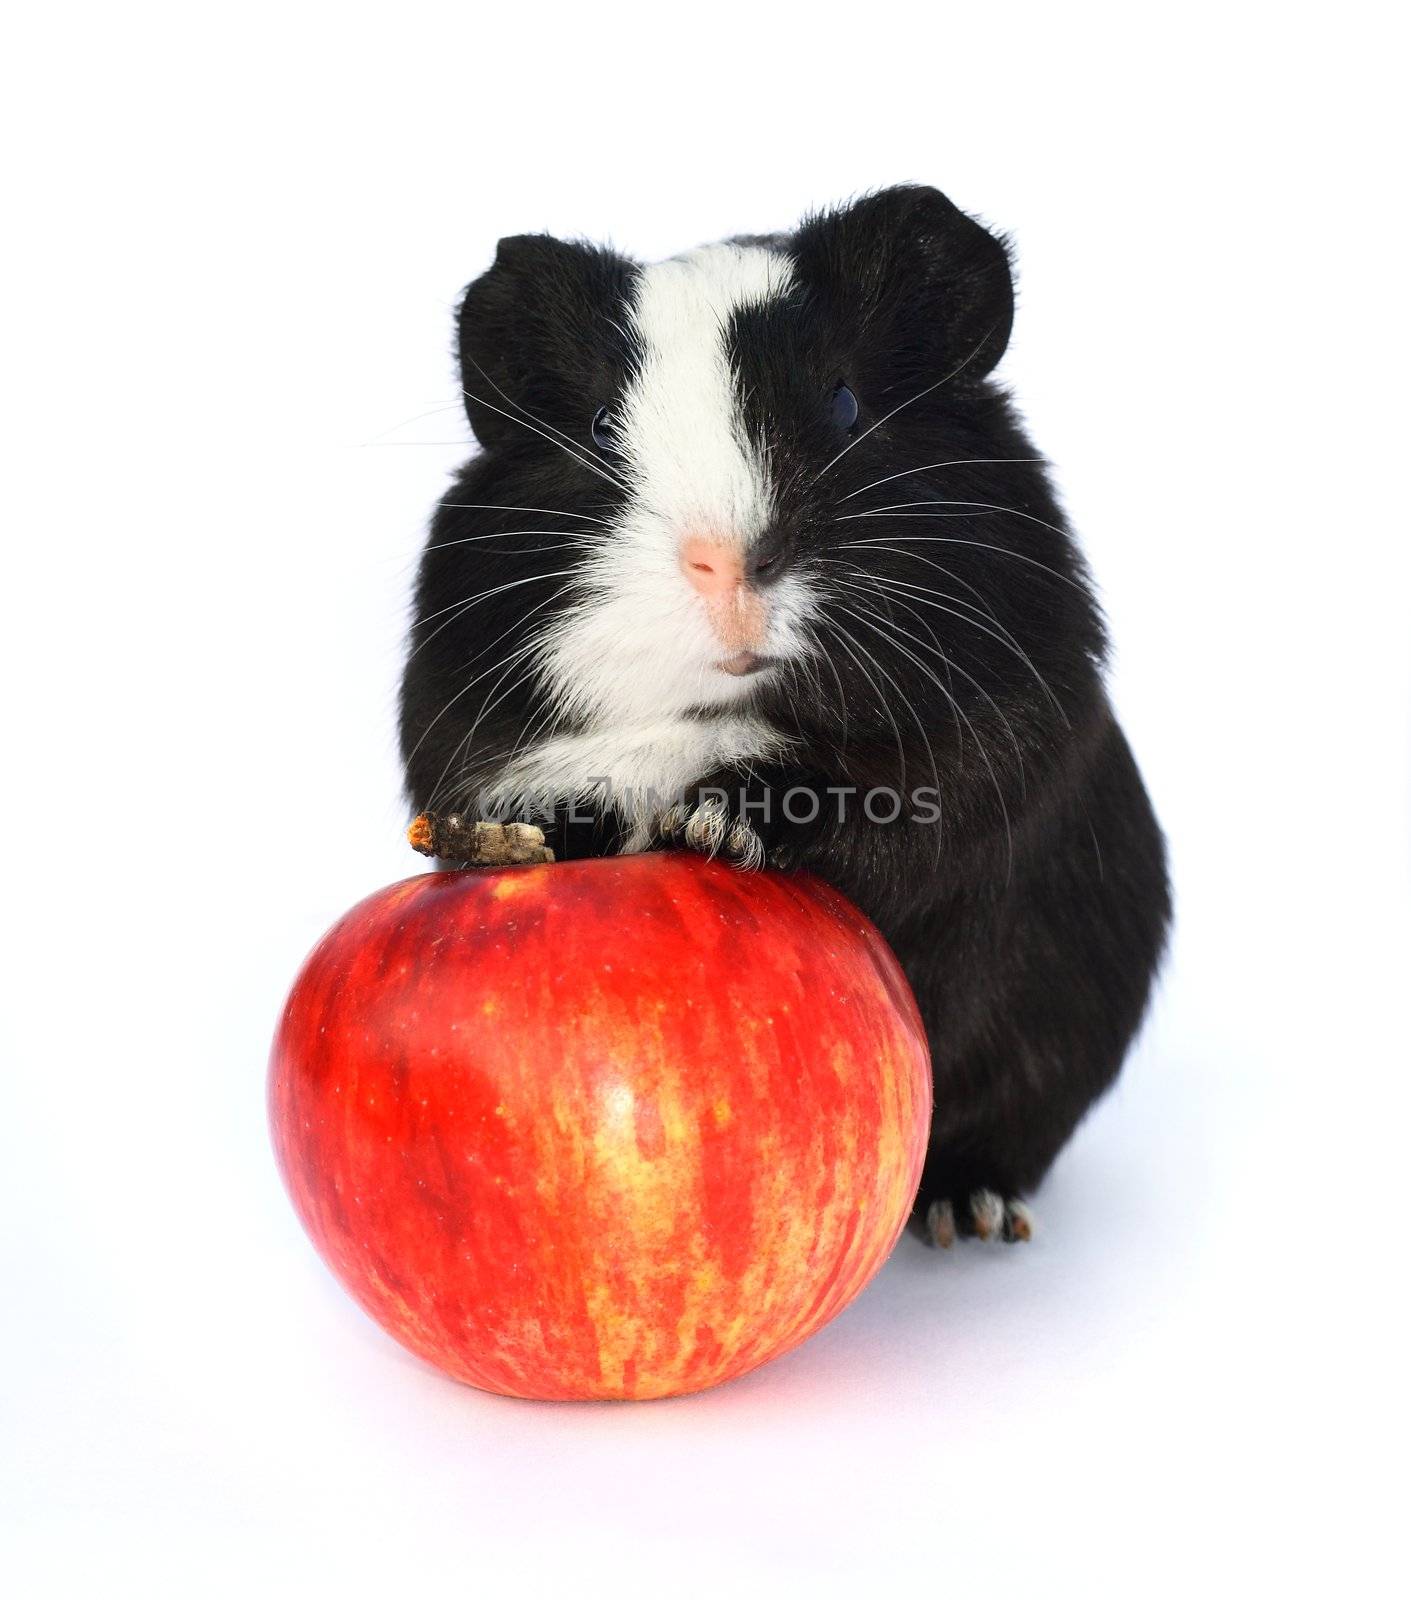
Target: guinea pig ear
pixel 537 334
pixel 924 286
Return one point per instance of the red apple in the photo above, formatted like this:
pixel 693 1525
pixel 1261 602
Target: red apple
pixel 609 1129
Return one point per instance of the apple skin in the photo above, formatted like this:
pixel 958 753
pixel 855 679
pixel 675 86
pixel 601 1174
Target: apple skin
pixel 610 1129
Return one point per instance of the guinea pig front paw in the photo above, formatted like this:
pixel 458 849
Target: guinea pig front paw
pixel 982 1214
pixel 472 843
pixel 709 828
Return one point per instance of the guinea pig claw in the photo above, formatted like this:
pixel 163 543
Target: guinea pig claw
pixel 707 827
pixel 1018 1222
pixel 940 1224
pixel 714 832
pixel 744 846
pixel 984 1215
pixel 996 1218
pixel 671 824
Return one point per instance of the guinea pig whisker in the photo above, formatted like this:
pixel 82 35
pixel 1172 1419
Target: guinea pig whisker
pixel 891 622
pixel 954 666
pixel 884 512
pixel 870 591
pixel 463 690
pixel 460 607
pixel 566 442
pixel 571 451
pixel 999 633
pixel 1007 637
pixel 935 466
pixel 532 646
pixel 869 582
pixel 906 515
pixel 929 389
pixel 809 662
pixel 847 642
pixel 542 726
pixel 444 783
pixel 434 411
pixel 951 665
pixel 485 594
pixel 529 511
pixel 870 588
pixel 797 695
pixel 926 739
pixel 916 538
pixel 828 661
pixel 524 652
pixel 807 686
pixel 984 607
pixel 487 705
pixel 568 536
pixel 979 743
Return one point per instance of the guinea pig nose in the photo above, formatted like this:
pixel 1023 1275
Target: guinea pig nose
pixel 711 568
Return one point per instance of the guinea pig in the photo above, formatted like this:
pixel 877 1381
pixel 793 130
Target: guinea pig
pixel 757 559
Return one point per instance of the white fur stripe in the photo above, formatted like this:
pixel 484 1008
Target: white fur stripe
pixel 636 649
pixel 692 468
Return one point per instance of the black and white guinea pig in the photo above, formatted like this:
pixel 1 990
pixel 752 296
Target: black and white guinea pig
pixel 757 559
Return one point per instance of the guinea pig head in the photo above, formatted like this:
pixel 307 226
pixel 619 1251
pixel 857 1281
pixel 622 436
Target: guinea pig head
pixel 736 445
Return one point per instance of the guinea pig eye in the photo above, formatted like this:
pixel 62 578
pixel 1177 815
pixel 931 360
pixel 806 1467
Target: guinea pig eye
pixel 602 429
pixel 844 409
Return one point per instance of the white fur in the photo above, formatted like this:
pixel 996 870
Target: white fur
pixel 636 649
pixel 692 468
pixel 636 769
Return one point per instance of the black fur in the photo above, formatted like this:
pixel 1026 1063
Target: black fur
pixel 964 649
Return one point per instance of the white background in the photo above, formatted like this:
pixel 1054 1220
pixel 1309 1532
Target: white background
pixel 236 238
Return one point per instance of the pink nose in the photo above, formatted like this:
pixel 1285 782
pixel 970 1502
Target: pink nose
pixel 713 569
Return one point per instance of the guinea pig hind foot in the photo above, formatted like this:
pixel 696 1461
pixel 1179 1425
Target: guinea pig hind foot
pixel 983 1215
